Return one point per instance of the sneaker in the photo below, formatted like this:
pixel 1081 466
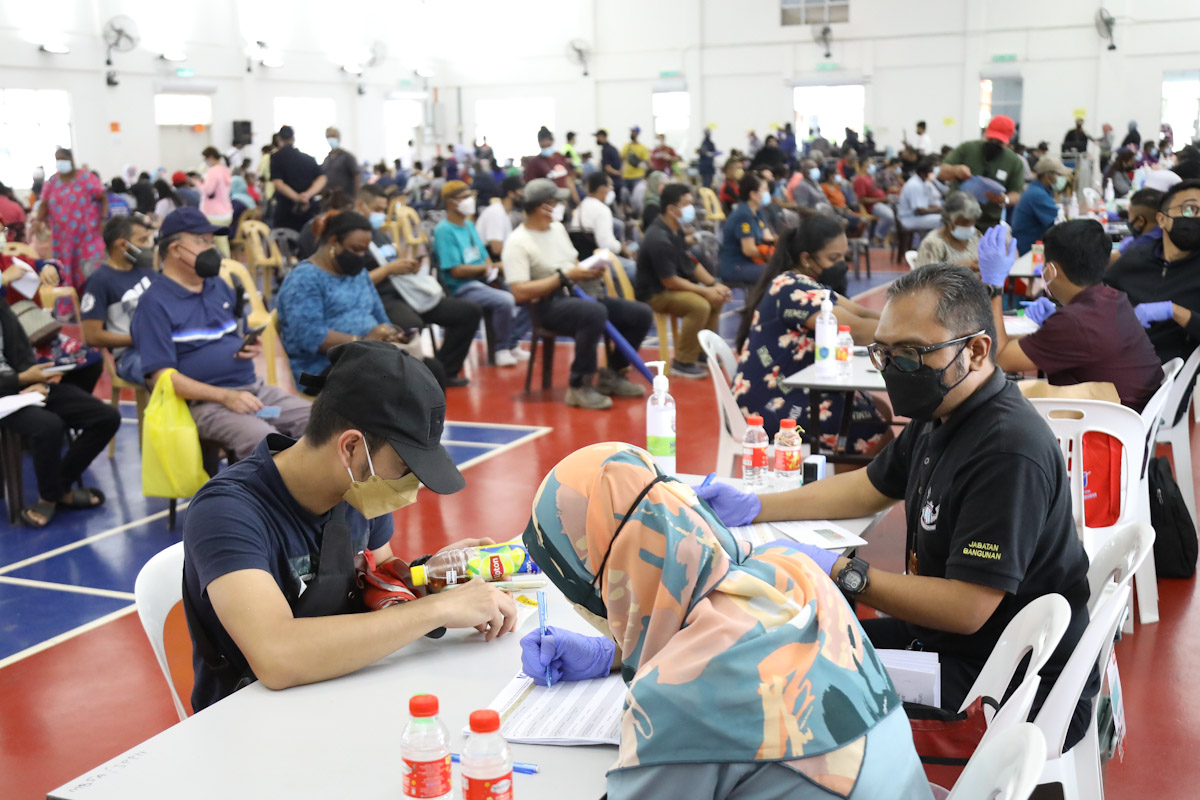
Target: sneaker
pixel 457 382
pixel 614 383
pixel 519 354
pixel 587 397
pixel 687 370
pixel 504 358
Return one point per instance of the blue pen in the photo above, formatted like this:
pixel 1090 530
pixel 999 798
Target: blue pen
pixel 708 480
pixel 541 601
pixel 520 767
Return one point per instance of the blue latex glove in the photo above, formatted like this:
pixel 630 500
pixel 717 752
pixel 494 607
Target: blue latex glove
pixel 570 656
pixel 1153 312
pixel 995 257
pixel 732 507
pixel 1038 310
pixel 825 558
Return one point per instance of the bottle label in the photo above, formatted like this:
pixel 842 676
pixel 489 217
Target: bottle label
pixel 843 353
pixel 488 788
pixel 823 353
pixel 660 445
pixel 426 778
pixel 754 456
pixel 788 459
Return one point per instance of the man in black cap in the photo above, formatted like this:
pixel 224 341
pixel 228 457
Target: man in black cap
pixel 272 543
pixel 297 179
pixel 185 321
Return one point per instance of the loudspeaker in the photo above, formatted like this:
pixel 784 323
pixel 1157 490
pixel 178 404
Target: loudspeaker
pixel 241 132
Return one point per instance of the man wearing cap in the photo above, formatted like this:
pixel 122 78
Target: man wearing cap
pixel 551 164
pixel 468 271
pixel 274 543
pixel 186 194
pixel 1036 210
pixel 541 263
pixel 990 158
pixel 634 156
pixel 297 179
pixel 185 321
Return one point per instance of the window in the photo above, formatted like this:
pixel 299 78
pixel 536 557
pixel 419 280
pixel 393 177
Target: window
pixel 813 12
pixel 309 117
pixel 828 109
pixel 1181 105
pixel 999 96
pixel 511 125
pixel 401 119
pixel 182 109
pixel 33 124
pixel 672 117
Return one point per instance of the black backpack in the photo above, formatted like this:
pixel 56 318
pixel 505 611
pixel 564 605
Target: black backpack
pixel 1174 532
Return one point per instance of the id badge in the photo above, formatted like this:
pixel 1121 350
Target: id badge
pixel 471 255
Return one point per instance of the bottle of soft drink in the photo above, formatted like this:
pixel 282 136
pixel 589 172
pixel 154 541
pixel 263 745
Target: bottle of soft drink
pixel 425 751
pixel 492 562
pixel 826 335
pixel 789 459
pixel 756 472
pixel 1039 257
pixel 845 351
pixel 487 763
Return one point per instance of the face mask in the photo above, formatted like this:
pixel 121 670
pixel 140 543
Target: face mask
pixel 547 151
pixel 1185 233
pixel 466 206
pixel 871 169
pixel 963 232
pixel 1060 183
pixel 687 215
pixel 1047 280
pixel 375 497
pixel 814 174
pixel 350 263
pixel 333 142
pixel 610 198
pixel 737 174
pixel 141 256
pixel 377 219
pixel 559 212
pixel 1152 152
pixel 208 263
pixel 765 199
pixel 1137 229
pixel 63 165
pixel 918 394
pixel 991 149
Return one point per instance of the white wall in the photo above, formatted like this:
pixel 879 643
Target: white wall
pixel 738 62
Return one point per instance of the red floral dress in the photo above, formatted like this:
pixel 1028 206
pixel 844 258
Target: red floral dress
pixel 73 212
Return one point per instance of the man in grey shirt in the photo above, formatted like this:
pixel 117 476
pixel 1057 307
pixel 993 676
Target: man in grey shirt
pixel 340 167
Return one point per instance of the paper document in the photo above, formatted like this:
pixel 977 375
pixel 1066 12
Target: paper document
pixel 567 713
pixel 1019 326
pixel 818 532
pixel 12 403
pixel 599 259
pixel 28 283
pixel 916 674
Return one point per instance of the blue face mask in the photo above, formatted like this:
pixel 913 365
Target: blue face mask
pixel 377 219
pixel 814 174
pixel 63 165
pixel 870 169
pixel 548 151
pixel 688 214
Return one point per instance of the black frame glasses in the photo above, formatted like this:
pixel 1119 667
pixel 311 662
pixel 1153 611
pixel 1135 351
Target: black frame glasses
pixel 909 358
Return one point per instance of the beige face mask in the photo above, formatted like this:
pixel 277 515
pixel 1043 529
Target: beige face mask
pixel 375 497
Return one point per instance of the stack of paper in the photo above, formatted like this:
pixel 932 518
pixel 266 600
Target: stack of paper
pixel 567 713
pixel 10 404
pixel 29 283
pixel 916 674
pixel 818 532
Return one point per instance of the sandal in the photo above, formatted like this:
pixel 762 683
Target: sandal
pixel 43 509
pixel 82 497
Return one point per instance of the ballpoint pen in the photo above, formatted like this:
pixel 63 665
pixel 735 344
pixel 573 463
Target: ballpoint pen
pixel 541 601
pixel 520 767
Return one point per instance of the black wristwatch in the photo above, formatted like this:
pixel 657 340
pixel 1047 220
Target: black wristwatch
pixel 563 280
pixel 995 291
pixel 853 578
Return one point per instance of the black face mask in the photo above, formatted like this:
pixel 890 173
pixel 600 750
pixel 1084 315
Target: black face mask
pixel 1137 230
pixel 1185 233
pixel 836 277
pixel 351 263
pixel 918 394
pixel 208 263
pixel 141 257
pixel 992 149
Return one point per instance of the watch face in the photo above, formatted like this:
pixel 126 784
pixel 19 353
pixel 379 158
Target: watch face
pixel 852 580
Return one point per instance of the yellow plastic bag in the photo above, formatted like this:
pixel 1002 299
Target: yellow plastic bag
pixel 171 462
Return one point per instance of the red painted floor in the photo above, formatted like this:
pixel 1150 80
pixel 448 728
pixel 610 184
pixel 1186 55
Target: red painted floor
pixel 69 708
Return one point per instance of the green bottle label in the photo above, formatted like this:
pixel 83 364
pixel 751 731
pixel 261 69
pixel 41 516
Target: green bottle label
pixel 660 445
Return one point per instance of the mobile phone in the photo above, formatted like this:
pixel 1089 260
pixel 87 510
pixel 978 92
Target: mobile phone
pixel 268 412
pixel 410 334
pixel 252 335
pixel 59 368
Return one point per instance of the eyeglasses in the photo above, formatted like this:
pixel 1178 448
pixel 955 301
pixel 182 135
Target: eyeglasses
pixel 908 358
pixel 1189 209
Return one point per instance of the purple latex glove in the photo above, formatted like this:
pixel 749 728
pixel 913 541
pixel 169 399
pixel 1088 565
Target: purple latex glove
pixel 1038 310
pixel 570 656
pixel 732 507
pixel 1154 312
pixel 825 558
pixel 996 257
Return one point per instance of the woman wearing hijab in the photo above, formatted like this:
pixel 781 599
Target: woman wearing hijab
pixel 749 676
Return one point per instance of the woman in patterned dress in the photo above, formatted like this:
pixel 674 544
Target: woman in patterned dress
pixel 776 339
pixel 74 204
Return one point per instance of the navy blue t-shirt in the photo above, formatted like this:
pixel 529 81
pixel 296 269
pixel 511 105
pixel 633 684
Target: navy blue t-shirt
pixel 245 518
pixel 112 295
pixel 741 223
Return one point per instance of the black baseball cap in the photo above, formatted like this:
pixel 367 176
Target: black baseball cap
pixel 385 391
pixel 188 219
pixel 600 132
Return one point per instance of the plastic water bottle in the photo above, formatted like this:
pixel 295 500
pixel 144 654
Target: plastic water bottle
pixel 487 764
pixel 756 472
pixel 492 562
pixel 845 351
pixel 789 459
pixel 425 751
pixel 1109 193
pixel 1039 257
pixel 827 329
pixel 660 421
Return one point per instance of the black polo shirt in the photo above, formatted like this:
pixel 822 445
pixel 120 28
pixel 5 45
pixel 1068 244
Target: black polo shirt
pixel 1147 277
pixel 662 255
pixel 298 170
pixel 987 502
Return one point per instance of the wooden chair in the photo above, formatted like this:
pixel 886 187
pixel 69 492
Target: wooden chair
pixel 11 466
pixel 238 239
pixel 547 338
pixel 20 250
pixel 140 397
pixel 50 295
pixel 410 227
pixel 232 270
pixel 262 254
pixel 712 205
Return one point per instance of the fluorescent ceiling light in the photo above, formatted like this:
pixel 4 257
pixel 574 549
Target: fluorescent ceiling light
pixel 271 60
pixel 57 49
pixel 174 55
pixel 353 69
pixel 425 72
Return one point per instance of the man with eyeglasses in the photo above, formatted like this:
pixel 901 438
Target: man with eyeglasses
pixel 987 502
pixel 1162 278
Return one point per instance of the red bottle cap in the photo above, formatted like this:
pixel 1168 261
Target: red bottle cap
pixel 843 328
pixel 754 419
pixel 423 705
pixel 485 721
pixel 787 423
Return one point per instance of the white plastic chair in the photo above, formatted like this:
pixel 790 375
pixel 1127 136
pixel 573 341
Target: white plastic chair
pixel 911 257
pixel 1176 429
pixel 1113 566
pixel 722 366
pixel 159 586
pixel 1078 769
pixel 1005 767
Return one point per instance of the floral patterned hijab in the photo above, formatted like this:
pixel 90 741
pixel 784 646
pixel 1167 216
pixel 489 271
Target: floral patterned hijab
pixel 731 655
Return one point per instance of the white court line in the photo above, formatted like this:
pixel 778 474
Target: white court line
pixel 502 425
pixel 456 442
pixel 66 587
pixel 62 637
pixel 534 434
